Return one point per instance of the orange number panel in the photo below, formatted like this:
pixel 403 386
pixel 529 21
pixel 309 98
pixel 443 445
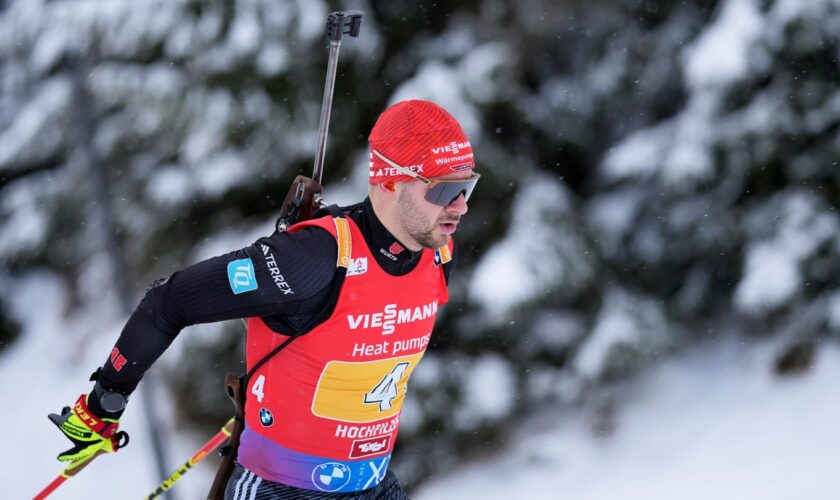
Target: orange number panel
pixel 363 391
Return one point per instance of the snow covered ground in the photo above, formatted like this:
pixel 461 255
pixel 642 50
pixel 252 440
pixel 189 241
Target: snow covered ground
pixel 47 368
pixel 712 423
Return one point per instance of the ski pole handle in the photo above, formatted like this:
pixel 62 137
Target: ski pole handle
pixel 208 447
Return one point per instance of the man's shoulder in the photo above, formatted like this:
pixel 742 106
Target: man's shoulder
pixel 304 259
pixel 309 236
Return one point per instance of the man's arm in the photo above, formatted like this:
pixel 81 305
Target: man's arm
pixel 273 277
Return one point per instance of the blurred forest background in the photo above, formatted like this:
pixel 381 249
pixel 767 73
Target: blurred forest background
pixel 655 174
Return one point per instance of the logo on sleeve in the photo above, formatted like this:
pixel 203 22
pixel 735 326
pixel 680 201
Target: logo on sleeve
pixel 241 276
pixel 278 278
pixel 117 359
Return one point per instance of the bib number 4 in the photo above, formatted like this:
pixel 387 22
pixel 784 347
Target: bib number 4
pixel 258 388
pixel 363 391
pixel 386 390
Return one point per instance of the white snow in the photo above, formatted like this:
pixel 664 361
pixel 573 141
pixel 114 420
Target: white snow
pixel 772 270
pixel 714 423
pixel 771 278
pixel 479 67
pixel 722 53
pixel 534 236
pixel 624 321
pixel 638 155
pixel 490 390
pixel 47 368
pixel 272 59
pixel 29 137
pixel 310 20
pixel 209 125
pixel 689 159
pixel 677 151
pixel 245 32
pixel 169 185
pixel 613 214
pixel 221 172
pixel 23 222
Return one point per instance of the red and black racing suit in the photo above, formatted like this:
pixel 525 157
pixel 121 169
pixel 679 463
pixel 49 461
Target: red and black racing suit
pixel 284 283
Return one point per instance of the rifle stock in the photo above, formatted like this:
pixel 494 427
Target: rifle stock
pixel 236 393
pixel 304 197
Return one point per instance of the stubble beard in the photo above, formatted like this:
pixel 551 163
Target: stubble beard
pixel 418 227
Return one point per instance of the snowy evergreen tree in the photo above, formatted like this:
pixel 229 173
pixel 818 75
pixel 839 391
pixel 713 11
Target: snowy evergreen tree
pixel 733 216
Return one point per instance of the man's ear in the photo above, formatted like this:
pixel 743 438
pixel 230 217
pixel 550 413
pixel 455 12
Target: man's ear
pixel 389 186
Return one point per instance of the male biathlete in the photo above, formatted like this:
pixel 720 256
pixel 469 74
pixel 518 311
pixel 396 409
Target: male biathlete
pixel 362 284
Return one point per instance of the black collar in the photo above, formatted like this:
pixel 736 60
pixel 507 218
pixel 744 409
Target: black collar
pixel 393 257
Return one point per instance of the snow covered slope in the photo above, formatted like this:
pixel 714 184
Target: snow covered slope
pixel 714 424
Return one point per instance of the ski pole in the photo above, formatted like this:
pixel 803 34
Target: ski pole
pixel 74 468
pixel 68 472
pixel 208 447
pixel 51 487
pixel 58 481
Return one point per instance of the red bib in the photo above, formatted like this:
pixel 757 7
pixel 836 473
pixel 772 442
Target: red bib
pixel 336 392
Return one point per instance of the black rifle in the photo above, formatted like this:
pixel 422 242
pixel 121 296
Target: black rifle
pixel 306 194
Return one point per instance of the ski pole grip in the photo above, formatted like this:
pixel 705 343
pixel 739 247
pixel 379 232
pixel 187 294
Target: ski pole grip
pixel 346 22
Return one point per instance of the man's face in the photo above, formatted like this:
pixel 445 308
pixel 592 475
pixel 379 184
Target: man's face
pixel 429 225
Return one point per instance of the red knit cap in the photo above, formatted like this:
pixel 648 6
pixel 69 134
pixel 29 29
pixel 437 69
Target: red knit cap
pixel 421 136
